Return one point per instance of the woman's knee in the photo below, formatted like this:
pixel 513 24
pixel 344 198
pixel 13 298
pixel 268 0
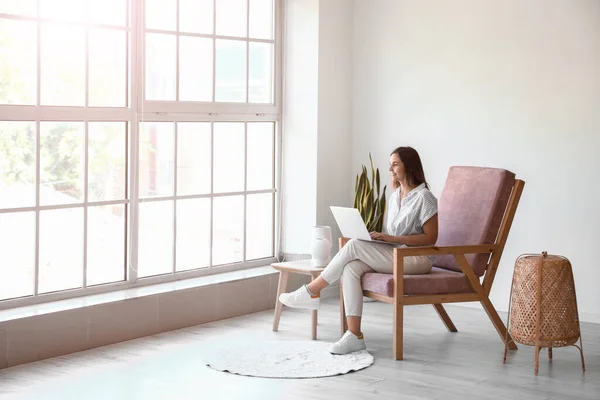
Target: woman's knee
pixel 355 269
pixel 351 244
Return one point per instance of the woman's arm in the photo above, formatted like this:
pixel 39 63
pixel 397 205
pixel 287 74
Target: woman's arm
pixel 427 238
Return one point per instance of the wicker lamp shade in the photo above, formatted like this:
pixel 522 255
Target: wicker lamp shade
pixel 543 304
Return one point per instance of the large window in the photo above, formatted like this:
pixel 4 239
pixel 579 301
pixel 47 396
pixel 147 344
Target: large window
pixel 138 142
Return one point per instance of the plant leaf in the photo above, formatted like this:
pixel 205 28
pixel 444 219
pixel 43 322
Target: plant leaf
pixel 372 169
pixel 377 182
pixel 382 204
pixel 356 192
pixel 375 226
pixel 365 214
pixel 370 207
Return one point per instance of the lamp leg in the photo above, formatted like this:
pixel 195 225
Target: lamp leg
pixel 537 359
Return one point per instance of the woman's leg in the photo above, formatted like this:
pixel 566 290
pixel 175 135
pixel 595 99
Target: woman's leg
pixel 377 255
pixel 308 296
pixel 353 295
pixel 352 285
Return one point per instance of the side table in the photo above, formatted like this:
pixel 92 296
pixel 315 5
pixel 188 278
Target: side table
pixel 302 267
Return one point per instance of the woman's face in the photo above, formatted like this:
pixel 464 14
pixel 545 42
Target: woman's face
pixel 396 167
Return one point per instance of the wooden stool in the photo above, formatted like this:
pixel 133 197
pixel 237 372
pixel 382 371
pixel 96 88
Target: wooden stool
pixel 543 307
pixel 302 267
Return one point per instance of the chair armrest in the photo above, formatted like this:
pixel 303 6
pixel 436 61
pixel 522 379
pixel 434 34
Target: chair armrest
pixel 457 251
pixel 437 250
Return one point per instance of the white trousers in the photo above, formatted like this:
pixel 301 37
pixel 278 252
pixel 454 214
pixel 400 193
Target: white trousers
pixel 358 257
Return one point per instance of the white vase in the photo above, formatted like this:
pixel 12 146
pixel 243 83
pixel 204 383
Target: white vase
pixel 321 246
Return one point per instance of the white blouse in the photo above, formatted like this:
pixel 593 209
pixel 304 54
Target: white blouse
pixel 408 216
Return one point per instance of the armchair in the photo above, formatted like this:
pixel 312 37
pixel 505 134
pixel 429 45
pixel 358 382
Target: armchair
pixel 475 214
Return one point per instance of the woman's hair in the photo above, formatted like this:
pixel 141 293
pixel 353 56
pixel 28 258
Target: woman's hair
pixel 412 165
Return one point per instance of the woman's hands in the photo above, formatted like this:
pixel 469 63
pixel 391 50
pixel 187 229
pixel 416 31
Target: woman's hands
pixel 381 236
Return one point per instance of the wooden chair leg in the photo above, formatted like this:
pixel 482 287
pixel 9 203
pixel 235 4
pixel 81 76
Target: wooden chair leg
pixel 343 322
pixel 445 317
pixel 497 322
pixel 398 346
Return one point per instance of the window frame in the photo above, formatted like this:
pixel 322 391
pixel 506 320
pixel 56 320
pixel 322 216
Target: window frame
pixel 136 111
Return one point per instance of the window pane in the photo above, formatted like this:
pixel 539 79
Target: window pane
pixel 106 244
pixel 111 12
pixel 17 164
pixel 259 226
pixel 228 229
pixel 20 7
pixel 193 158
pixel 108 68
pixel 65 10
pixel 193 234
pixel 261 19
pixel 106 165
pixel 161 14
pixel 62 162
pixel 260 88
pixel 228 174
pixel 260 155
pixel 230 85
pixel 157 155
pixel 232 17
pixel 196 16
pixel 17 258
pixel 63 65
pixel 18 62
pixel 160 66
pixel 61 249
pixel 155 250
pixel 195 69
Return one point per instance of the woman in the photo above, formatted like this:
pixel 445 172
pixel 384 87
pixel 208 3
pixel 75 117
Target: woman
pixel 411 221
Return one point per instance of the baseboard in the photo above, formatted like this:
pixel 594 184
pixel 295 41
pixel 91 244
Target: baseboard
pixel 589 317
pixel 583 316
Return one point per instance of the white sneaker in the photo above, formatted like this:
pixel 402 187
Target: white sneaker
pixel 348 344
pixel 300 299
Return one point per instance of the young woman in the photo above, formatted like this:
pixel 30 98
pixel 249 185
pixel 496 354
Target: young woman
pixel 411 221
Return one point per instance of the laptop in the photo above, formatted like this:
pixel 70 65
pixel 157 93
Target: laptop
pixel 352 225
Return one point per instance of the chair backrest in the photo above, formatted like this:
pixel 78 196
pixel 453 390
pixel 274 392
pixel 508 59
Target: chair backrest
pixel 470 211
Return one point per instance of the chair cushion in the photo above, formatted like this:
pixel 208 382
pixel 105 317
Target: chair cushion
pixel 470 211
pixel 438 281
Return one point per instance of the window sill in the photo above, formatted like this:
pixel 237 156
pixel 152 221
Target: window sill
pixel 132 293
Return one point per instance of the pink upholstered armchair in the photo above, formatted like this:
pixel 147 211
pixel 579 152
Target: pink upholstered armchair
pixel 476 210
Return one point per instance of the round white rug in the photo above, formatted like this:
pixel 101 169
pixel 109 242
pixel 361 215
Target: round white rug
pixel 286 359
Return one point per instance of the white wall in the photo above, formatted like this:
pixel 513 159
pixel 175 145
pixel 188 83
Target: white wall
pixel 316 118
pixel 509 84
pixel 299 174
pixel 335 105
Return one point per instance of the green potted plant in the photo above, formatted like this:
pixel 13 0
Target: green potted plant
pixel 367 199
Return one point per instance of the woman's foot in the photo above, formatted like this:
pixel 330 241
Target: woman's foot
pixel 348 343
pixel 300 298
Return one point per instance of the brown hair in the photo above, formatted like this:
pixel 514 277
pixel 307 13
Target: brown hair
pixel 412 165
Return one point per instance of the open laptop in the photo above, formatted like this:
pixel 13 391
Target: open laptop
pixel 352 225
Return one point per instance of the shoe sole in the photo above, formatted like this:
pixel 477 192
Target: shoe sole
pixel 350 352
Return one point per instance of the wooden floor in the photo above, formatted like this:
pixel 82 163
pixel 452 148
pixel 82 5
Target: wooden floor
pixel 437 365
